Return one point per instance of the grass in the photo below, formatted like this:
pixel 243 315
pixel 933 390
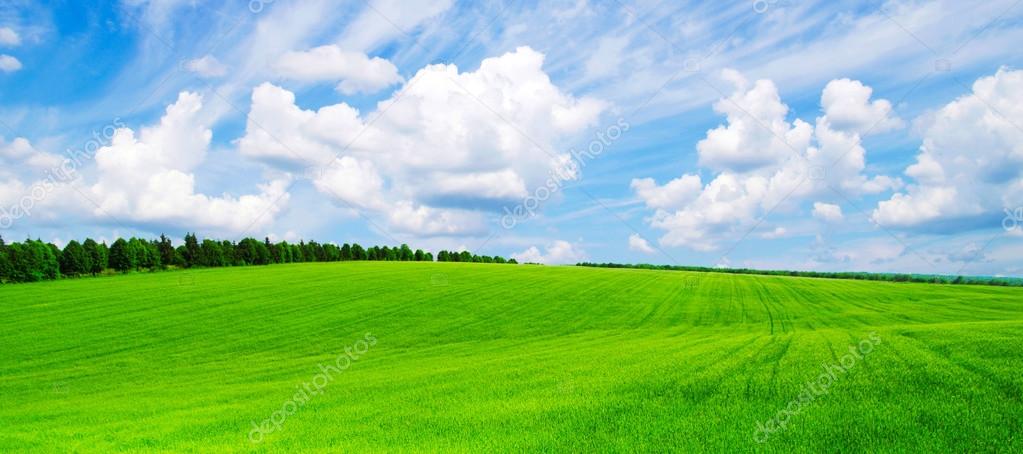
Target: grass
pixel 504 358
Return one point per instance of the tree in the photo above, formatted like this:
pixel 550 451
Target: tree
pixel 96 256
pixel 212 254
pixel 122 257
pixel 405 253
pixel 358 253
pixel 346 252
pixel 166 251
pixel 192 252
pixel 73 261
pixel 6 270
pixel 419 256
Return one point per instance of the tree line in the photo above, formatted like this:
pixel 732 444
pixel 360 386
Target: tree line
pixel 35 260
pixel 855 275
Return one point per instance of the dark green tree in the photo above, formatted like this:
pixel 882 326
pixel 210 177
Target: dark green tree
pixel 73 260
pixel 192 253
pixel 122 256
pixel 96 256
pixel 166 251
pixel 358 253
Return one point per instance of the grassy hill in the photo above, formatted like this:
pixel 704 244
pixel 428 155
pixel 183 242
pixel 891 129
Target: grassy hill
pixel 469 357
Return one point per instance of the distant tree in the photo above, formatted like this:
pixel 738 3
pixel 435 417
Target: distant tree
pixel 429 256
pixel 405 253
pixel 212 253
pixel 465 256
pixel 346 252
pixel 358 253
pixel 230 251
pixel 419 255
pixel 191 253
pixel 148 254
pixel 96 256
pixel 6 270
pixel 166 251
pixel 73 260
pixel 46 256
pixel 513 261
pixel 122 256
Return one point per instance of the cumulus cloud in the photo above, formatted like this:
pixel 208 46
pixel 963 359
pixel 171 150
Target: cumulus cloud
pixel 639 244
pixel 848 108
pixel 970 165
pixel 148 177
pixel 763 161
pixel 559 252
pixel 676 193
pixel 355 72
pixel 9 37
pixel 9 64
pixel 827 212
pixel 20 152
pixel 438 153
pixel 207 67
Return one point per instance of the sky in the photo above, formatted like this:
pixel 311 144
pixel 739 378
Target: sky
pixel 878 136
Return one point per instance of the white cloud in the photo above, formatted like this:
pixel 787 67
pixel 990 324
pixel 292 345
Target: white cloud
pixel 148 177
pixel 778 232
pixel 436 151
pixel 639 244
pixel 355 72
pixel 764 162
pixel 9 37
pixel 208 67
pixel 676 194
pixel 970 165
pixel 757 134
pixel 848 108
pixel 21 152
pixel 827 212
pixel 9 64
pixel 559 252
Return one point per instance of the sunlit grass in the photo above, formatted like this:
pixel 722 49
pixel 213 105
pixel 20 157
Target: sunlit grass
pixel 504 358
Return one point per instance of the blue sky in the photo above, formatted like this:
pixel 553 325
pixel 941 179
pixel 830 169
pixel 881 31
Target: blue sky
pixel 843 135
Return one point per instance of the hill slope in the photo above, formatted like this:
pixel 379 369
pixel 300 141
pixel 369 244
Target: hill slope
pixel 445 356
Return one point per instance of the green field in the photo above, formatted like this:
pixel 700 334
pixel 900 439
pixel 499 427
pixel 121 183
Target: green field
pixel 472 357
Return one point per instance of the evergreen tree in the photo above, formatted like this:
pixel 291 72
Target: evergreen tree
pixel 166 251
pixel 122 257
pixel 6 270
pixel 192 253
pixel 97 260
pixel 73 260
